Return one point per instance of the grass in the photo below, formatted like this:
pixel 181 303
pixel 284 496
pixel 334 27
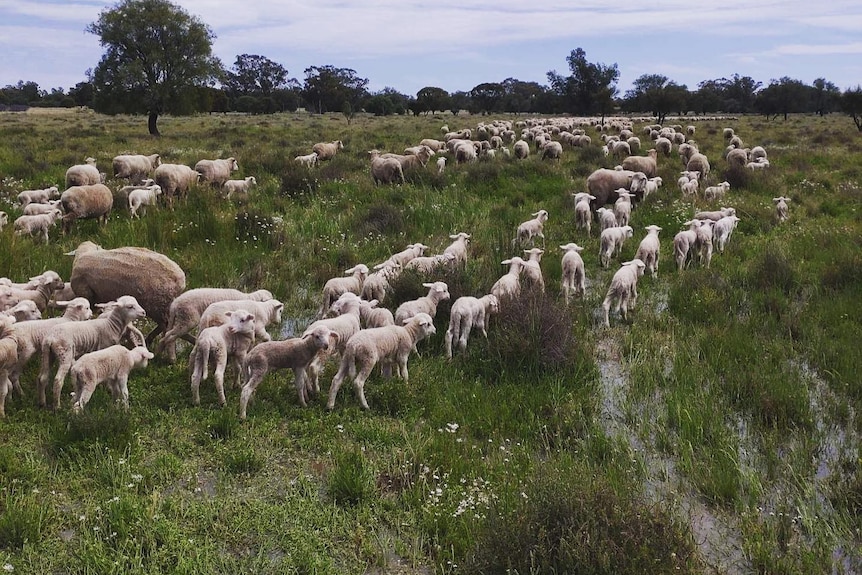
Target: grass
pixel 730 399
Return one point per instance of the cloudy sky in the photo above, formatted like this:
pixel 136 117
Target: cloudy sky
pixel 457 44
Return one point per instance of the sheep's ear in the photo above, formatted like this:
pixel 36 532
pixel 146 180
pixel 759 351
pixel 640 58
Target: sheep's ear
pixel 228 313
pixel 334 337
pixel 506 262
pixel 373 303
pixel 61 303
pixel 427 285
pixel 279 306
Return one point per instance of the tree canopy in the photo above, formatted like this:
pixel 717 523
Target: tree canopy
pixel 331 89
pixel 591 87
pixel 157 58
pixel 657 94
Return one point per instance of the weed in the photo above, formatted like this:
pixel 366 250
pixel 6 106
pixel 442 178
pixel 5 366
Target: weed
pixel 351 481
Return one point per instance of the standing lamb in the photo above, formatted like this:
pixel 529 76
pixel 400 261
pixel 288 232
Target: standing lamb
pixel 648 250
pixel 723 229
pixel 140 198
pixel 231 340
pixel 327 150
pixel 85 174
pixel 345 324
pixel 469 312
pixel 623 289
pixel 683 242
pixel 716 192
pixel 308 160
pixel 32 209
pixel 532 269
pixel 781 209
pixel 573 274
pixel 509 286
pixel 265 313
pixel 38 224
pixel 646 164
pixel 623 207
pixel 37 196
pixel 216 172
pixel 612 240
pixel 239 187
pixel 112 365
pixel 437 292
pixel 377 282
pixel 458 247
pixel 583 216
pixel 334 287
pixel 531 228
pixel 135 167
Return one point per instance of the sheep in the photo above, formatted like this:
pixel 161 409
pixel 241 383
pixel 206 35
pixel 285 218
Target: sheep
pixel 532 269
pixel 522 149
pixel 112 365
pixel 307 160
pixel 583 216
pixel 716 192
pixel 238 187
pixel 186 309
pixel 37 196
pixel 385 170
pixel 334 287
pixel 573 274
pixel 412 161
pixel 604 183
pixel 84 202
pixel 703 233
pixel 40 289
pixel 509 285
pixel 465 152
pixel 231 340
pixel 435 145
pixel 623 207
pixel 327 150
pixel 426 265
pixel 468 312
pixel 646 164
pixel 531 228
pixel 683 242
pixel 612 240
pixel 458 247
pixel 175 180
pixel 663 145
pixel 86 174
pixel 441 164
pixel 36 209
pixel 4 219
pixel 437 292
pixel 377 282
pixel 736 142
pixel 135 167
pixel 652 186
pixel 649 250
pixel 607 219
pixel 265 313
pixel 24 310
pixel 623 289
pixel 737 157
pixel 757 154
pixel 70 340
pixel 7 357
pixel 634 144
pixel 690 130
pixel 715 215
pixel 370 315
pixel 401 258
pixel 345 323
pixel 781 210
pixel 422 151
pixel 38 224
pixel 727 133
pixel 760 165
pixel 216 172
pixel 690 187
pixel 140 198
pixel 295 353
pixel 390 344
pixel 723 229
pixel 686 151
pixel 698 163
pixel 552 150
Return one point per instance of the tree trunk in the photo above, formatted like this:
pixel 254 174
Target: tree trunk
pixel 151 124
pixel 858 121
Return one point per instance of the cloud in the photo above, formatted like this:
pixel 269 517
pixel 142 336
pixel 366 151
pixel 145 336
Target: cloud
pixel 817 49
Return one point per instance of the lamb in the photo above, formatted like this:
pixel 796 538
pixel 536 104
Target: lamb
pixel 336 286
pixel 185 312
pixel 231 340
pixel 623 289
pixel 401 258
pixel 781 210
pixel 604 183
pixel 38 224
pixel 458 247
pixel 86 174
pixel 683 242
pixel 175 180
pixel 308 160
pixel 239 186
pixel 759 165
pixel 723 229
pixel 412 161
pixel 36 209
pixel 646 164
pixel 345 324
pixel 583 216
pixel 327 150
pixel 612 240
pixel 421 151
pixel 509 285
pixel 372 316
pixel 85 202
pixel 389 344
pixel 532 228
pixel 736 142
pixel 123 193
pixel 265 313
pixel 690 187
pixel 469 312
pixel 532 269
pixel 649 250
pixel 623 207
pixel 154 280
pixel 437 292
pixel 37 196
pixel 573 274
pixel 435 145
pixel 42 287
pixel 426 265
pixel 757 154
pixel 216 172
pixel 715 215
pixel 703 233
pixel 70 340
pixel 552 150
pixel 716 192
pixel 385 170
pixel 4 219
pixel 522 149
pixel 295 353
pixel 441 164
pixel 607 219
pixel 699 163
pixel 377 282
pixel 112 365
pixel 140 198
pixel 7 357
pixel 135 167
pixel 23 311
pixel 652 186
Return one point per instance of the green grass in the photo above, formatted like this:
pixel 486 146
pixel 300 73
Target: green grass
pixel 730 399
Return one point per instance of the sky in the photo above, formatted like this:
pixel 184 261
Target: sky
pixel 458 44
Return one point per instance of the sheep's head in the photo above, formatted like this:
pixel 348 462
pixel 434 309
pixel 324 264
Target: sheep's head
pixel 240 321
pixel 322 337
pixel 77 309
pixel 535 254
pixel 653 229
pixel 126 306
pixel 140 356
pixel 438 290
pixel 425 323
pixel 541 215
pixel 637 264
pixel 571 246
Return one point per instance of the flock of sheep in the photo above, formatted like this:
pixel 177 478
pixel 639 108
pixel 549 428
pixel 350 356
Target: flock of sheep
pixel 130 283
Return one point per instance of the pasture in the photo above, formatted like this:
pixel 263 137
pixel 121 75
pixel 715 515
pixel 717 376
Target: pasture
pixel 718 431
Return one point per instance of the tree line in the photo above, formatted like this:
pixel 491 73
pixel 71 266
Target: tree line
pixel 168 67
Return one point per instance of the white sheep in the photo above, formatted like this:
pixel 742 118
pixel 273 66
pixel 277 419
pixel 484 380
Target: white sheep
pixel 378 282
pixel 401 258
pixel 327 150
pixel 295 353
pixel 265 313
pixel 757 154
pixel 307 160
pixel 385 170
pixel 34 209
pixel 759 165
pixel 714 215
pixel 38 224
pixel 175 180
pixel 37 196
pixel 86 202
pixel 135 167
pixel 468 312
pixel 345 324
pixel 532 228
pixel 699 163
pixel 83 174
pixel 370 315
pixel 781 209
pixel 140 198
pixel 437 292
pixel 532 269
pixel 231 340
pixel 23 311
pixel 334 287
pixel 623 289
pixel 573 273
pixel 552 150
pixel 4 219
pixel 111 365
pixel 704 233
pixel 441 164
pixel 458 247
pixel 217 171
pixel 716 192
pixel 39 289
pixel 649 250
pixel 238 186
pixel 583 215
pixel 612 240
pixel 723 229
pixel 607 219
pixel 509 285
pixel 623 207
pixel 390 344
pixel 683 242
pixel 426 265
pixel 522 149
pixel 652 186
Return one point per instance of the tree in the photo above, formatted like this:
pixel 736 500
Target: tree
pixel 782 96
pixel 328 88
pixel 432 99
pixel 253 75
pixel 851 103
pixel 825 96
pixel 590 89
pixel 486 97
pixel 657 94
pixel 156 57
pixel 519 97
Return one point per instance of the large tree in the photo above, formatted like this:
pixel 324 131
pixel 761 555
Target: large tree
pixel 487 97
pixel 432 99
pixel 157 58
pixel 657 94
pixel 782 96
pixel 590 89
pixel 331 89
pixel 825 96
pixel 851 103
pixel 255 75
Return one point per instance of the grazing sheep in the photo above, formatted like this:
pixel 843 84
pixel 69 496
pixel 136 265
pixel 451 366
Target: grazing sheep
pixel 649 250
pixel 295 353
pixel 327 150
pixel 736 142
pixel 175 180
pixel 522 149
pixel 583 216
pixel 612 240
pixel 573 273
pixel 623 207
pixel 715 215
pixel 435 145
pixel 377 282
pixel 390 344
pixel 86 174
pixel 39 289
pixel 727 133
pixel 86 202
pixel 239 186
pixel 231 340
pixel 426 265
pixel 412 161
pixel 683 242
pixel 38 224
pixel 154 280
pixel 70 340
pixel 112 365
pixel 737 157
pixel 437 292
pixel 401 258
pixel 646 164
pixel 140 198
pixel 469 312
pixel 187 308
pixel 723 229
pixel 372 316
pixel 465 152
pixel 441 164
pixel 36 209
pixel 532 269
pixel 757 154
pixel 458 247
pixel 216 172
pixel 509 285
pixel 531 228
pixel 265 313
pixel 552 151
pixel 781 209
pixel 698 163
pixel 663 145
pixel 607 219
pixel 37 196
pixel 760 165
pixel 334 287
pixel 385 170
pixel 135 167
pixel 623 289
pixel 308 160
pixel 716 192
pixel 604 183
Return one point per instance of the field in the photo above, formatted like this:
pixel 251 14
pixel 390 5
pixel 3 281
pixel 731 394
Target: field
pixel 718 431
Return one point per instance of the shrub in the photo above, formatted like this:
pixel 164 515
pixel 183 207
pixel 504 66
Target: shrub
pixel 773 268
pixel 380 219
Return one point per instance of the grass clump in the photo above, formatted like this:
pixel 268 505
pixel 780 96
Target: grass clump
pixel 24 518
pixel 351 481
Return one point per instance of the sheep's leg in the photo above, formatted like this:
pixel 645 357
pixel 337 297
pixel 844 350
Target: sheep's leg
pixel 4 391
pixel 44 373
pixel 196 375
pixel 65 364
pixel 255 378
pixel 606 308
pixel 300 384
pixel 447 342
pixel 121 384
pixel 466 326
pixel 336 383
pixel 359 383
pixel 85 392
pixel 218 375
pixel 15 379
